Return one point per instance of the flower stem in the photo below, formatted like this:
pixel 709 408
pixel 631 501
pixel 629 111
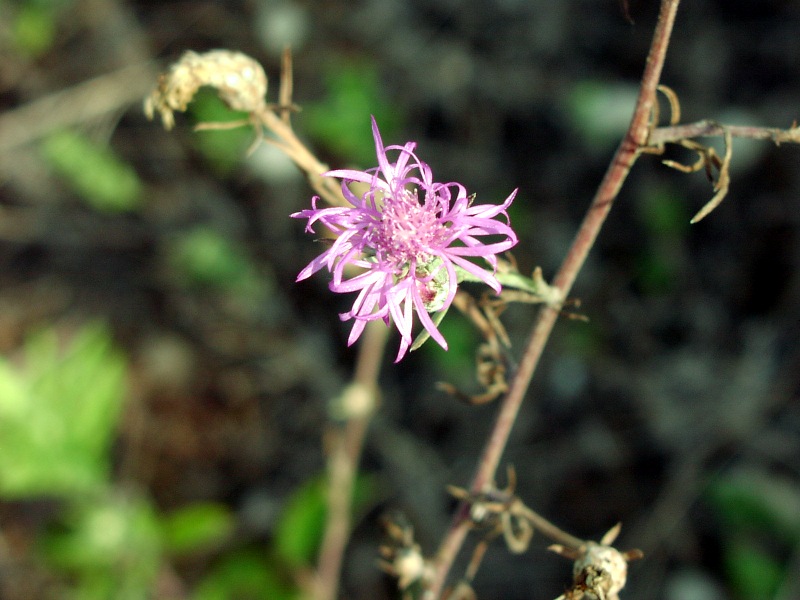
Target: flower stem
pixel 345 444
pixel 624 158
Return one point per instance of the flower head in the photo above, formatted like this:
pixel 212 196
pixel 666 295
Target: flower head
pixel 411 240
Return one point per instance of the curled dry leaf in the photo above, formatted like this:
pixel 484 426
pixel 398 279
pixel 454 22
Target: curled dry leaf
pixel 239 80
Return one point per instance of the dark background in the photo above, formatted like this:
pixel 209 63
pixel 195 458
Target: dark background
pixel 686 371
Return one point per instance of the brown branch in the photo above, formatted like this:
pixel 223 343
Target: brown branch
pixel 287 141
pixel 345 444
pixel 626 155
pixel 550 530
pixel 708 128
pixel 83 102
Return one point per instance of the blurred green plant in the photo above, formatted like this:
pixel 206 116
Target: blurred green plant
pixel 753 573
pixel 203 257
pixel 114 545
pixel 759 517
pixel 33 27
pixel 259 575
pixel 665 220
pixel 60 405
pixel 59 409
pixel 245 574
pixel 223 148
pixel 110 547
pixel 601 111
pixel 458 363
pixel 299 531
pixel 340 121
pixel 199 525
pixel 93 171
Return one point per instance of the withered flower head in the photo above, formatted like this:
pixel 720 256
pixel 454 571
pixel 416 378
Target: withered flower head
pixel 239 80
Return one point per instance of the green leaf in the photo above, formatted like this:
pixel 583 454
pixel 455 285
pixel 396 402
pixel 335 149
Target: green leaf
pixel 752 572
pixel 224 148
pixel 244 575
pixel 58 414
pixel 110 546
pixel 93 171
pixel 756 501
pixel 299 531
pixel 663 212
pixel 33 29
pixel 205 257
pixel 462 339
pixel 341 120
pixel 601 111
pixel 197 526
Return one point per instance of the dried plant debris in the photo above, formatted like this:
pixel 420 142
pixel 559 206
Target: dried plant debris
pixel 600 571
pixel 239 80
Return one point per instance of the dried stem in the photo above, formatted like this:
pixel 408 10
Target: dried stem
pixel 550 530
pixel 707 128
pixel 627 153
pixel 287 141
pixel 360 398
pixel 345 445
pixel 96 98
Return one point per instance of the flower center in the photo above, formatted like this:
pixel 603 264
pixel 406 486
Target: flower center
pixel 407 230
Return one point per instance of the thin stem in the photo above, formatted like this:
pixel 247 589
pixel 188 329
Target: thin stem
pixel 550 530
pixel 303 158
pixel 626 155
pixel 360 398
pixel 345 446
pixel 707 128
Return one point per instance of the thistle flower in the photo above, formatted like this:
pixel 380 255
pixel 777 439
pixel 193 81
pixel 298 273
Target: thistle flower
pixel 411 240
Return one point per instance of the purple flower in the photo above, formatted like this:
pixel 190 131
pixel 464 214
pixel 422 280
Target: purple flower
pixel 410 239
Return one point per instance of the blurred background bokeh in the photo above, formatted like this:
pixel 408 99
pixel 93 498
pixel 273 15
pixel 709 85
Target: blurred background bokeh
pixel 164 383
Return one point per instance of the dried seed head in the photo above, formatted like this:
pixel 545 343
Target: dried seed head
pixel 600 570
pixel 239 80
pixel 402 557
pixel 609 566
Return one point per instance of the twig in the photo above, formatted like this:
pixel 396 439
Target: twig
pixel 345 445
pixel 302 157
pixel 626 155
pixel 707 128
pixel 83 102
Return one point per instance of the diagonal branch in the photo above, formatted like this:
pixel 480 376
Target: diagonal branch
pixel 627 153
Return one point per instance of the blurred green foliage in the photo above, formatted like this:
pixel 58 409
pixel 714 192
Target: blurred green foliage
pixel 196 526
pixel 458 362
pixel 664 218
pixel 302 523
pixel 205 259
pixel 245 574
pixel 601 111
pixel 753 572
pixel 759 516
pixel 224 148
pixel 203 256
pixel 110 547
pixel 662 211
pixel 59 409
pixel 93 171
pixel 33 27
pixel 341 121
pixel 114 545
pixel 60 406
